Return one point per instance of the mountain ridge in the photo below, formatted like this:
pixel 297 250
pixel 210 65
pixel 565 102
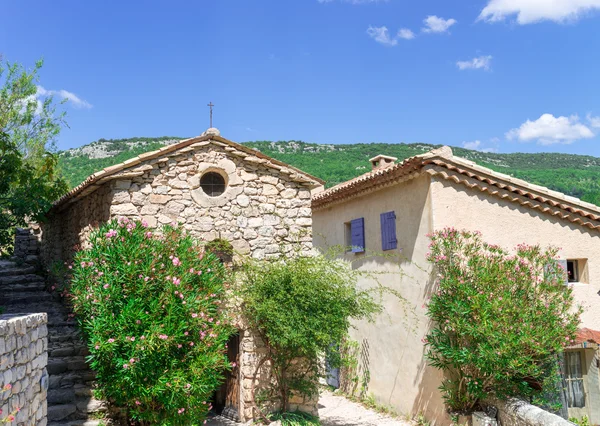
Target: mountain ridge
pixel 572 174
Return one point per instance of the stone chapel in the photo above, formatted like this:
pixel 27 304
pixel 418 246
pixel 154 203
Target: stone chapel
pixel 214 188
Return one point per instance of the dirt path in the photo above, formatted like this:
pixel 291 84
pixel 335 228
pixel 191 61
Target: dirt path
pixel 336 410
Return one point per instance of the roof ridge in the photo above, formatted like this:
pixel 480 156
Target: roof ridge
pixel 208 137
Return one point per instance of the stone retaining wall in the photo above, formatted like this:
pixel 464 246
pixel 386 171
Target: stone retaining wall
pixel 23 375
pixel 515 412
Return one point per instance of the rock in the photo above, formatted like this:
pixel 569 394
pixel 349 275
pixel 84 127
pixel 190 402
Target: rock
pixel 126 209
pixel 159 199
pixel 59 412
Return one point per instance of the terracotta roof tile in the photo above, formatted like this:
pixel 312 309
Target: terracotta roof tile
pixel 442 163
pixel 195 142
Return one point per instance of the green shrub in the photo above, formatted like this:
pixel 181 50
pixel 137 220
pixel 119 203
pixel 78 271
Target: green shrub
pixel 498 318
pixel 220 248
pixel 302 308
pixel 150 308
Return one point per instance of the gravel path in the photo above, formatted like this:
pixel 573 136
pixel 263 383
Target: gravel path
pixel 336 410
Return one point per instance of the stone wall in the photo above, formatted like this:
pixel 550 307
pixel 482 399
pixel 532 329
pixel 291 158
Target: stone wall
pixel 27 245
pixel 256 377
pixel 515 412
pixel 265 208
pixel 23 376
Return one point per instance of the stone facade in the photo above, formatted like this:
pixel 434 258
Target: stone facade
pixel 255 376
pixel 23 376
pixel 264 212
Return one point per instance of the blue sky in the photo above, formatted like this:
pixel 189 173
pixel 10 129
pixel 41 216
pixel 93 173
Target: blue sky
pixel 504 75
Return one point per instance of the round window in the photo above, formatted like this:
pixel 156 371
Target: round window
pixel 213 184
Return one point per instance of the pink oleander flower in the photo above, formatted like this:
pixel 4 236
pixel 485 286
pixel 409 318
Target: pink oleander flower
pixel 111 340
pixel 194 315
pixel 105 286
pixel 125 366
pixel 97 347
pixel 148 234
pixel 144 223
pixel 132 360
pixel 176 281
pixel 176 261
pixel 138 403
pixel 111 233
pixel 163 337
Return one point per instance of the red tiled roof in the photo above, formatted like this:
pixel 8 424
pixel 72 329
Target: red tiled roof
pixel 587 335
pixel 441 163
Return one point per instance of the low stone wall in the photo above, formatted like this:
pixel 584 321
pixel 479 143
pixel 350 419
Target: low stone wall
pixel 515 412
pixel 23 375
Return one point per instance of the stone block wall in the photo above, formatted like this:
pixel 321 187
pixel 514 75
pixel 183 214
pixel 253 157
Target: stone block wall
pixel 27 245
pixel 256 377
pixel 23 375
pixel 264 210
pixel 515 412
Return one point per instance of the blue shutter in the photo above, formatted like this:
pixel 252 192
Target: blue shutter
pixel 357 232
pixel 388 231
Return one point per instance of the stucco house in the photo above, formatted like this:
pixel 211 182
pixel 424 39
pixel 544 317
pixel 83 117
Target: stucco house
pixel 214 188
pixel 392 208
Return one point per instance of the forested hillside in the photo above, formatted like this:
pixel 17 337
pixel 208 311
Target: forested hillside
pixel 576 175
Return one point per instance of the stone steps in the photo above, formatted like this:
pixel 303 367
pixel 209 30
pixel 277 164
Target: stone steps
pixel 19 279
pixel 21 297
pixel 70 400
pixel 16 270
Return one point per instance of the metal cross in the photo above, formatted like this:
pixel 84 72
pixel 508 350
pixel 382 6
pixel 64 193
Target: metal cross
pixel 210 104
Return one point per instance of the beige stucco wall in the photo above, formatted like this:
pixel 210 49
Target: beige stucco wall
pixel 392 347
pixel 399 375
pixel 507 224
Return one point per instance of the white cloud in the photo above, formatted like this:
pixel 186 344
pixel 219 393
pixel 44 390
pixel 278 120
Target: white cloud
pixel 481 62
pixel 594 121
pixel 406 34
pixel 471 145
pixel 548 130
pixel 381 35
pixel 531 11
pixel 71 97
pixel 435 24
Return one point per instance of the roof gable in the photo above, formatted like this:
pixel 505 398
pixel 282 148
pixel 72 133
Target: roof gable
pixel 120 170
pixel 442 163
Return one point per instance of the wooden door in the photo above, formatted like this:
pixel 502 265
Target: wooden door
pixel 231 388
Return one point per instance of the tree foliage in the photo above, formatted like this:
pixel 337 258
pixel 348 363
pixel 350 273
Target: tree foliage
pixel 499 319
pixel 29 180
pixel 576 175
pixel 150 308
pixel 302 308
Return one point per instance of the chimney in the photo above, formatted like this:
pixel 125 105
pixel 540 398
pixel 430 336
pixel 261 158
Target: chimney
pixel 382 162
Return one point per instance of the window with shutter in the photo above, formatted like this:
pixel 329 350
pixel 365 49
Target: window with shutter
pixel 388 231
pixel 357 235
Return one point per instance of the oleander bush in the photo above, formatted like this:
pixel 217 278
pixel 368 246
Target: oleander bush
pixel 499 318
pixel 149 304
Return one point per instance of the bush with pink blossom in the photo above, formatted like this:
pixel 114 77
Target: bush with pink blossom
pixel 499 319
pixel 149 305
